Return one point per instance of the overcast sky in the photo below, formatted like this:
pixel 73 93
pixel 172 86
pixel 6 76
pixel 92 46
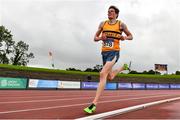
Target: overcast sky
pixel 67 27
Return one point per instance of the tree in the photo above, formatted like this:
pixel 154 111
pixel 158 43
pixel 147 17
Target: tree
pixel 97 68
pixel 145 72
pixel 177 72
pixel 72 69
pixel 6 45
pixel 20 54
pixel 151 72
pixel 88 70
pixel 133 72
pixel 11 52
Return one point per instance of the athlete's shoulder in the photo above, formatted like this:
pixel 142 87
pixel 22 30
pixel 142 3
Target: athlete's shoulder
pixel 105 21
pixel 102 23
pixel 119 21
pixel 122 24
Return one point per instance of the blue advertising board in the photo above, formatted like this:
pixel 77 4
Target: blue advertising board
pixel 138 85
pixel 89 85
pixel 175 86
pixel 47 84
pixel 152 86
pixel 163 86
pixel 124 86
pixel 111 86
pixel 94 85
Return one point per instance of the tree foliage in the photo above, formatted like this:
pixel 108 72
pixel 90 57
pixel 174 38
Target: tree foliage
pixel 144 72
pixel 11 52
pixel 72 69
pixel 96 68
pixel 6 45
pixel 20 55
pixel 177 72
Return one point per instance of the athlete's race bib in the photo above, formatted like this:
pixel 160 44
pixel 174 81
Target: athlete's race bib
pixel 109 43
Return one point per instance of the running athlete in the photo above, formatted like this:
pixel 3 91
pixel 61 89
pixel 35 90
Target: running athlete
pixel 110 33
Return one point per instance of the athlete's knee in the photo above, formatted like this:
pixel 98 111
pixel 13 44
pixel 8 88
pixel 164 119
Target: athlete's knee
pixel 103 74
pixel 110 77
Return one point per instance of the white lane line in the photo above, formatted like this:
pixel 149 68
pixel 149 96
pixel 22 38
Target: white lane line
pixel 61 99
pixel 50 96
pixel 63 106
pixel 57 95
pixel 30 101
pixel 125 110
pixel 46 96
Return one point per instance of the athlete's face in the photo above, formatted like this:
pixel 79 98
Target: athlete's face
pixel 111 14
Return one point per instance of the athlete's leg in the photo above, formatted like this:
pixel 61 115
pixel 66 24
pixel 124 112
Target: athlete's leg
pixel 108 62
pixel 103 78
pixel 112 74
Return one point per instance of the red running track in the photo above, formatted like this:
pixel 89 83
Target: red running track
pixel 69 104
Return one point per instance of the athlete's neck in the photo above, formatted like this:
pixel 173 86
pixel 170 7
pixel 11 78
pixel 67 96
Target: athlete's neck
pixel 112 21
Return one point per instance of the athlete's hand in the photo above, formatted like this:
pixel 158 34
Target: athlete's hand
pixel 103 36
pixel 123 38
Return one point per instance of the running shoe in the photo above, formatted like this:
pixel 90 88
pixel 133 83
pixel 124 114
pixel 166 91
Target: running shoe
pixel 91 109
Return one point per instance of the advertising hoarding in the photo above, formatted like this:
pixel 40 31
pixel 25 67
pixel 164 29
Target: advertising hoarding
pixel 175 86
pixel 47 84
pixel 111 86
pixel 152 86
pixel 124 86
pixel 89 85
pixel 33 83
pixel 138 85
pixel 13 83
pixel 68 85
pixel 163 86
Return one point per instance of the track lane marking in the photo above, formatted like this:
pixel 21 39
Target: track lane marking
pixel 126 110
pixel 53 96
pixel 63 106
pixel 61 99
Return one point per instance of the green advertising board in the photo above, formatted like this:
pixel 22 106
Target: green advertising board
pixel 13 83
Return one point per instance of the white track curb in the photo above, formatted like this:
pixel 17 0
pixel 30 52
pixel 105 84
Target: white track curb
pixel 125 110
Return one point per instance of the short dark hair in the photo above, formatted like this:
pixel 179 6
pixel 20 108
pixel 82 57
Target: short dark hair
pixel 115 8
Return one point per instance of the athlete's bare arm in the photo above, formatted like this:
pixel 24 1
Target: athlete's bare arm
pixel 97 37
pixel 127 32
